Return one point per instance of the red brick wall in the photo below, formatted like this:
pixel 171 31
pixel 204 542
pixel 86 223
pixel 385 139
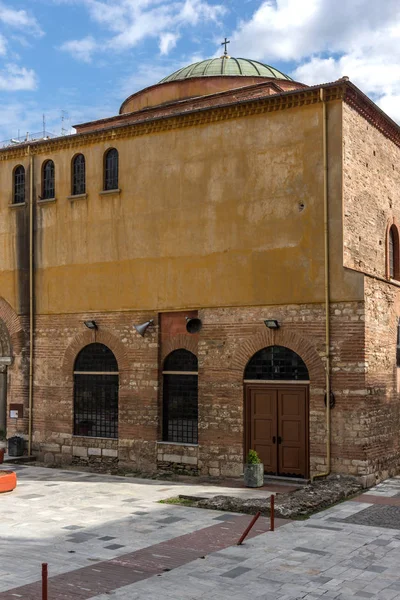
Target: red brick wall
pixel 228 339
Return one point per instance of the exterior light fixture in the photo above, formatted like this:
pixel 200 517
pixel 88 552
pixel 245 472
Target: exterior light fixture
pixel 141 329
pixel 271 323
pixel 91 324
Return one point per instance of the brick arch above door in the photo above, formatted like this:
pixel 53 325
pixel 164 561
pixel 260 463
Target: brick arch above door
pixel 268 337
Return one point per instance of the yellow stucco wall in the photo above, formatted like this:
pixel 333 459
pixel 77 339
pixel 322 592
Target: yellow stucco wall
pixel 207 216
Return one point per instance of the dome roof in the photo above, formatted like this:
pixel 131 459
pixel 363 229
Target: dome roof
pixel 226 66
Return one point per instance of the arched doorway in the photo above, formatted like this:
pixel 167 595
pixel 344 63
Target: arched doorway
pixel 276 395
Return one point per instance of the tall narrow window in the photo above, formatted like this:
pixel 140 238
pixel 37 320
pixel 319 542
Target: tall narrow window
pixel 96 392
pixel 78 175
pixel 111 170
pixel 19 185
pixel 48 183
pixel 393 253
pixel 180 397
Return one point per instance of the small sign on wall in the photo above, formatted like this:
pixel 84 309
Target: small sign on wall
pixel 16 411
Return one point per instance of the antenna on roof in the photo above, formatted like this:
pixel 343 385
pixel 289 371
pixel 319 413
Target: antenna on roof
pixel 64 117
pixel 44 125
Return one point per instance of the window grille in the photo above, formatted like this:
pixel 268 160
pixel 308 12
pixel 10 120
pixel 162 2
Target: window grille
pixel 180 398
pixel 78 175
pixel 19 185
pixel 48 186
pixel 96 384
pixel 276 363
pixel 111 170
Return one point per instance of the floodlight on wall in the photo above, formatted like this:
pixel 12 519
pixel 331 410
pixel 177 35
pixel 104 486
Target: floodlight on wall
pixel 91 324
pixel 141 329
pixel 271 323
pixel 193 325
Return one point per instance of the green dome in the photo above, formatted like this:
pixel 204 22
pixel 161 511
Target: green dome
pixel 226 66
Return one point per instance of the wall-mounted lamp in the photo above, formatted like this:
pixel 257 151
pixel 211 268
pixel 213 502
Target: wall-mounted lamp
pixel 91 324
pixel 271 323
pixel 141 329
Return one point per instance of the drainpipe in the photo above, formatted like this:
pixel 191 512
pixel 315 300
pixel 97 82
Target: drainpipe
pixel 31 305
pixel 327 295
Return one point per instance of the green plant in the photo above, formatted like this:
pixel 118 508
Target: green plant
pixel 2 435
pixel 253 458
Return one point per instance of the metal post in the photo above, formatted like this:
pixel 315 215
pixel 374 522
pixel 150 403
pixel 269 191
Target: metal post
pixel 44 581
pixel 246 532
pixel 272 527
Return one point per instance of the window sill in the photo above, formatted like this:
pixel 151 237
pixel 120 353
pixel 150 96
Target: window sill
pixel 395 282
pixel 16 204
pixel 110 192
pixel 177 444
pixel 77 197
pixel 47 201
pixel 93 437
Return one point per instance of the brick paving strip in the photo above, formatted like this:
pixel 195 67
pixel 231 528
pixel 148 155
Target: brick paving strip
pixel 107 576
pixel 371 499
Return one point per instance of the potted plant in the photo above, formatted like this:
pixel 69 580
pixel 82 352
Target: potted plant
pixel 253 470
pixel 3 445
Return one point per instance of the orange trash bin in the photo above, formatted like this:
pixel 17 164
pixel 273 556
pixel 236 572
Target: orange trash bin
pixel 8 481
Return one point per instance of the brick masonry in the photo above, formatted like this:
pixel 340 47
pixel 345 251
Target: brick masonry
pixel 371 201
pixel 229 338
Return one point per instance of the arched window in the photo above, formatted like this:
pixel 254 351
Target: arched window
pixel 111 169
pixel 78 175
pixel 276 363
pixel 48 183
pixel 19 185
pixel 96 392
pixel 180 403
pixel 393 253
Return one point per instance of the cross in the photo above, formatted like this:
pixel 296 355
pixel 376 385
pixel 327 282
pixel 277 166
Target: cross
pixel 225 43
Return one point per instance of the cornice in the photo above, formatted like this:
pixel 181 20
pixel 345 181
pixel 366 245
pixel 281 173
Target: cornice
pixel 372 113
pixel 339 90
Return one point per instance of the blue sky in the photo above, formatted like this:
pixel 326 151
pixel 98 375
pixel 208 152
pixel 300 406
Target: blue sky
pixel 85 56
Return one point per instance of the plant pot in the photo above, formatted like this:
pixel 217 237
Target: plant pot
pixel 254 475
pixel 2 452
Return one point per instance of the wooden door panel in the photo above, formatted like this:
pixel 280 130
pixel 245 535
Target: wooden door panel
pixel 263 421
pixel 292 429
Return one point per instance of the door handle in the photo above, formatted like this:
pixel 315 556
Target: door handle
pixel 279 439
pixel 273 439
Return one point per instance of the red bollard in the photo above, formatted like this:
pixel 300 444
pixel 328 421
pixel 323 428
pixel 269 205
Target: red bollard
pixel 44 581
pixel 272 526
pixel 246 533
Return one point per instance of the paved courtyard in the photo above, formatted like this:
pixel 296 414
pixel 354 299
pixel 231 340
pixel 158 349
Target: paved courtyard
pixel 108 536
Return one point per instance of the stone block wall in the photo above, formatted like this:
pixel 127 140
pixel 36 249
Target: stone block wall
pixel 371 193
pixel 227 341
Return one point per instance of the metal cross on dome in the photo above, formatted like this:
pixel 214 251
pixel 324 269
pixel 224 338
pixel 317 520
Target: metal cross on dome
pixel 225 43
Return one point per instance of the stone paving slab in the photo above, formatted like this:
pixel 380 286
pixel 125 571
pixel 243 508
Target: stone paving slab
pixel 72 522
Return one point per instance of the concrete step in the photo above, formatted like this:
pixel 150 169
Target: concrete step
pixel 18 459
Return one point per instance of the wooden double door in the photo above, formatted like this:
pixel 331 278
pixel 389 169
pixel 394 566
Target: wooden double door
pixel 277 427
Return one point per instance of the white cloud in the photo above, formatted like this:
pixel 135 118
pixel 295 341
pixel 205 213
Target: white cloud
pixel 129 22
pixel 19 19
pixel 3 45
pixel 327 39
pixel 168 42
pixel 81 49
pixel 15 78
